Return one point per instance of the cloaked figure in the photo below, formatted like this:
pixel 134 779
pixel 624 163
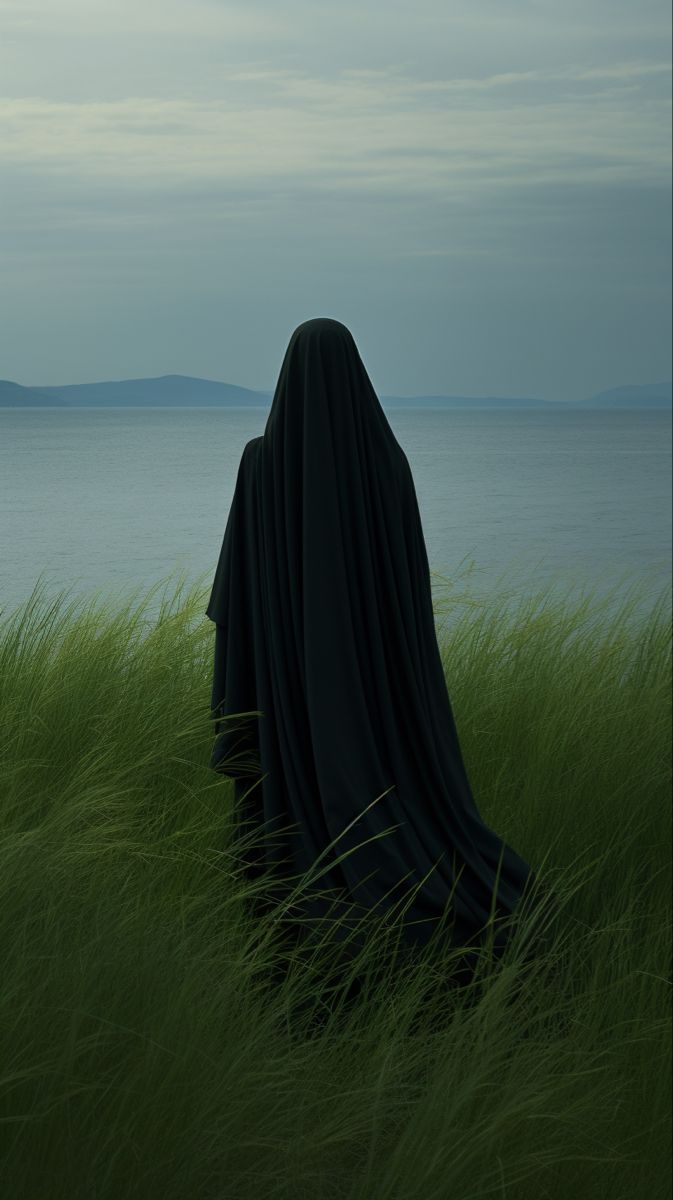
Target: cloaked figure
pixel 329 697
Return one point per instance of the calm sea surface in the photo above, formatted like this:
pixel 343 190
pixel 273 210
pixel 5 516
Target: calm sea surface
pixel 111 498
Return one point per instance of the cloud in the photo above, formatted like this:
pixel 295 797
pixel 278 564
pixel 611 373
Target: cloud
pixel 162 19
pixel 364 130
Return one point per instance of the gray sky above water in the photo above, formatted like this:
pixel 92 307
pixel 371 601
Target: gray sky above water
pixel 480 191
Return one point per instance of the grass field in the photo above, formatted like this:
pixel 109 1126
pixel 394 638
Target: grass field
pixel 151 1050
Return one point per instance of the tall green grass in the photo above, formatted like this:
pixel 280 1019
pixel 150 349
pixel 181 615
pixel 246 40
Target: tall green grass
pixel 152 1047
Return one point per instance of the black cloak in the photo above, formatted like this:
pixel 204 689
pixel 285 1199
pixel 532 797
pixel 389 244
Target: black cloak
pixel 325 635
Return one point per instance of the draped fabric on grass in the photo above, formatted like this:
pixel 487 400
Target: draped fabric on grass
pixel 325 638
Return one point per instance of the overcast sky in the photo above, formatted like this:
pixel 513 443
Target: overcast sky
pixel 479 189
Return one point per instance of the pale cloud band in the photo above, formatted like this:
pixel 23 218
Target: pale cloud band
pixel 361 129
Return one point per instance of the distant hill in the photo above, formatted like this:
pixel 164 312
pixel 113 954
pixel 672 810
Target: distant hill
pixel 181 391
pixel 184 391
pixel 646 395
pixel 14 395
